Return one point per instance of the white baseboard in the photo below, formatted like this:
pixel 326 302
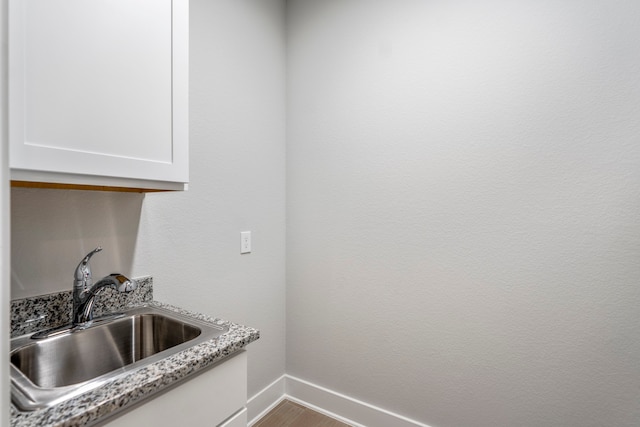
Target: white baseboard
pixel 335 405
pixel 266 399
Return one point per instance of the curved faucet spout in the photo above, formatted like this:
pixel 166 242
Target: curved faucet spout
pixel 83 305
pixel 84 291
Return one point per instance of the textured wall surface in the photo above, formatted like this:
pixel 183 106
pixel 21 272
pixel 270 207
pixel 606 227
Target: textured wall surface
pixel 463 240
pixel 52 230
pixel 190 242
pixel 237 167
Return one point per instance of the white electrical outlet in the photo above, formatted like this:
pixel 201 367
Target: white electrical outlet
pixel 245 242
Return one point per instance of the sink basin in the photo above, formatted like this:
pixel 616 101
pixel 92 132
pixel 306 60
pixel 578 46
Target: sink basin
pixel 47 371
pixel 87 354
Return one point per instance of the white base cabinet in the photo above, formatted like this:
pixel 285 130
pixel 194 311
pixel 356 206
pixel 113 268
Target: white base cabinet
pixel 214 398
pixel 237 420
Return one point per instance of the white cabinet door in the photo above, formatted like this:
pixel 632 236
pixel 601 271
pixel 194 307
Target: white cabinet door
pixel 215 397
pixel 98 91
pixel 237 420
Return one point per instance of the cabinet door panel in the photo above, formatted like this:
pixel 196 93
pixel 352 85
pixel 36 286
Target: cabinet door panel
pixel 99 87
pixel 237 420
pixel 205 400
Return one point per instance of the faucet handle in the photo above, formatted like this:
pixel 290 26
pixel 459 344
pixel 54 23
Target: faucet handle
pixel 123 283
pixel 83 270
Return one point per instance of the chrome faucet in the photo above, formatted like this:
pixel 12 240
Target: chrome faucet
pixel 84 291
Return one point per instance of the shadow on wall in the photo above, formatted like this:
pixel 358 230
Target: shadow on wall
pixel 51 230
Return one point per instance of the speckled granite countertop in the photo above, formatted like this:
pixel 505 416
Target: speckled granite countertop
pixel 134 386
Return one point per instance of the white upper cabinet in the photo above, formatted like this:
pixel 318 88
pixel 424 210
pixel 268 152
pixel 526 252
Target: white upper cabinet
pixel 98 92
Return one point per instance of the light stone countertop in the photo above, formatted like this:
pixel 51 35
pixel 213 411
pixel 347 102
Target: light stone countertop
pixel 134 386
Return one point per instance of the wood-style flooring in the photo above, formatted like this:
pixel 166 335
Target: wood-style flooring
pixel 289 414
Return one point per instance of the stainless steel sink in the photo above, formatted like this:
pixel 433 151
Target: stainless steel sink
pixel 47 371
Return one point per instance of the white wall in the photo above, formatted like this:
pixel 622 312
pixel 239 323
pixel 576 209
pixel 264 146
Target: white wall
pixel 52 230
pixel 190 242
pixel 463 197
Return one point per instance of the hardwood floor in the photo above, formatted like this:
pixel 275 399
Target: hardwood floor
pixel 289 414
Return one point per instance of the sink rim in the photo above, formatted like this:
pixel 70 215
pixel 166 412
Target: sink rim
pixel 27 396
